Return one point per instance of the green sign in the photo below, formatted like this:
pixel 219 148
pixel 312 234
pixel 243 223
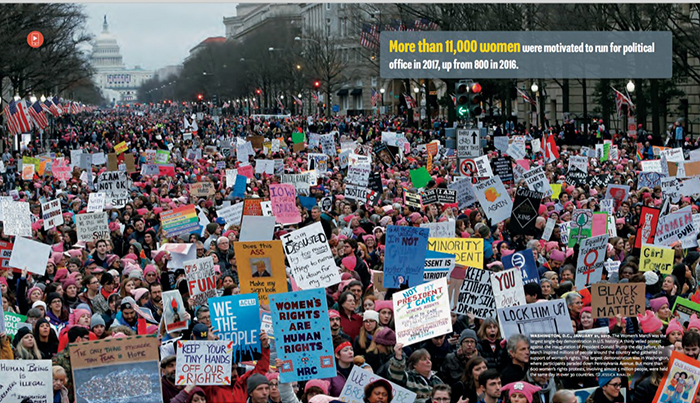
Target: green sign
pixel 12 322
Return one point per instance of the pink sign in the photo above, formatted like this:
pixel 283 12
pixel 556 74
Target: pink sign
pixel 523 163
pixel 246 171
pixel 600 224
pixel 283 200
pixel 60 170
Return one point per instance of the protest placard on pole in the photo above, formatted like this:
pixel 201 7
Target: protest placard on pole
pixel 609 300
pixel 507 287
pixel 525 211
pixel 201 279
pixel 92 226
pixel 51 214
pixel 237 318
pixel 310 258
pixel 422 312
pixel 303 336
pixel 203 362
pixel 404 258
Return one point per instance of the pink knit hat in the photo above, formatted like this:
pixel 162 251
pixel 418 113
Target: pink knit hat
pixel 649 322
pixel 381 304
pixel 657 303
pixel 138 293
pixel 694 322
pixel 673 326
pixel 350 262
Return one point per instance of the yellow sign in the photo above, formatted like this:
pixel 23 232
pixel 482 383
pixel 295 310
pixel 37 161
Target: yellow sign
pixel 467 251
pixel 261 268
pixel 30 160
pixel 657 257
pixel 556 189
pixel 121 147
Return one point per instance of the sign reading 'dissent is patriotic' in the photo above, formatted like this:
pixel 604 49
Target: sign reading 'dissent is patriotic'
pixel 422 312
pixel 302 335
pixel 310 257
pixel 437 265
pixel 237 318
pixel 201 279
pixel 51 214
pixel 404 258
pixel 591 255
pixel 475 294
pixel 203 362
pixel 494 199
pixel 548 317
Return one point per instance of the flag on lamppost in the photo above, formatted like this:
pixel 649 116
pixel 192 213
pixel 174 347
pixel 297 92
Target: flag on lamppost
pixel 622 99
pixel 526 97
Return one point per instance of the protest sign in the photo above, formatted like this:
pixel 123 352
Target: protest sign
pixel 525 211
pixel 16 218
pixel 420 177
pixel 303 335
pixel 319 162
pixel 31 255
pixel 546 317
pixel 548 228
pixel 578 162
pixel 203 362
pixel 437 265
pixel 525 261
pixel 174 311
pixel 655 258
pixel 231 214
pixel 676 226
pixel 261 268
pixel 202 189
pixel 609 300
pixel 354 388
pixel 536 180
pixel 24 380
pixel 310 258
pixel 591 255
pixel 92 226
pixel 646 229
pixel 284 208
pixel 445 229
pixel 358 174
pixel 13 322
pixel 581 226
pixel 649 179
pixel 494 199
pixel 422 312
pixel 265 167
pixel 671 189
pixel 257 228
pixel 679 380
pixel 181 220
pixel 162 157
pixel 357 193
pixel 51 214
pixel 501 143
pixel 117 370
pixel 121 147
pixel 328 144
pixel 467 251
pixel 684 309
pixel 404 257
pixel 252 207
pixel 599 224
pixel 115 185
pixel 201 279
pixel 412 199
pixel 439 195
pixel 576 177
pixel 507 287
pixel 465 193
pixel 237 318
pixel 96 202
pixel 503 169
pixel 476 295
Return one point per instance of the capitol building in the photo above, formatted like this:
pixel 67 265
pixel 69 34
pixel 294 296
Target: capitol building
pixel 117 83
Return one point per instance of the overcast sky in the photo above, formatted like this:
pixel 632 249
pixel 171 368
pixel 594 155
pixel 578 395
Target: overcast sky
pixel 158 34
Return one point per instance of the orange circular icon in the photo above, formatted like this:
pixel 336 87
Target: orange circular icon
pixel 35 39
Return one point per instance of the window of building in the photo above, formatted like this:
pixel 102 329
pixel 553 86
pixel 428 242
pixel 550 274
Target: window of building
pixel 358 83
pixel 343 26
pixel 328 27
pixel 328 6
pixel 358 102
pixel 374 81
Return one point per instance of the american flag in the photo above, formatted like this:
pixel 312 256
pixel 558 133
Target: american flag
pixel 425 25
pixel 369 38
pixel 38 116
pixel 57 102
pixel 454 99
pixel 17 119
pixel 279 103
pixel 526 97
pixel 315 97
pixel 410 102
pixel 51 107
pixel 373 99
pixel 297 100
pixel 622 99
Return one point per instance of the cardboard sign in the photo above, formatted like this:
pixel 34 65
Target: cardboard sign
pixel 31 379
pixel 115 185
pixel 609 300
pixel 475 294
pixel 129 361
pixel 354 389
pixel 467 251
pixel 284 208
pixel 525 211
pixel 310 258
pixel 174 312
pixel 547 317
pixel 437 265
pixel 51 214
pixel 591 256
pixel 680 381
pixel 237 318
pixel 494 199
pixel 202 189
pixel 30 255
pixel 203 362
pixel 261 268
pixel 646 229
pixel 96 202
pixel 201 279
pixel 302 335
pixel 445 229
pixel 657 258
pixel 422 312
pixel 231 214
pixel 92 226
pixel 507 287
pixel 404 258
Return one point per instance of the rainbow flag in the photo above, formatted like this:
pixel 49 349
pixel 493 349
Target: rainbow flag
pixel 181 220
pixel 639 155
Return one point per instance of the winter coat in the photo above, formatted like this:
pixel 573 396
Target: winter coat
pixel 494 358
pixel 238 392
pixel 412 380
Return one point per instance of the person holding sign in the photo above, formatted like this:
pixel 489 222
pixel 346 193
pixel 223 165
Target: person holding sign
pixel 414 374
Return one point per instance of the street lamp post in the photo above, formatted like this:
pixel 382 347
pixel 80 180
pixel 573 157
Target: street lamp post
pixel 382 91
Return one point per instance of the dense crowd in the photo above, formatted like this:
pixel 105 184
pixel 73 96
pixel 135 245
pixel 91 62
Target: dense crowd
pixel 98 290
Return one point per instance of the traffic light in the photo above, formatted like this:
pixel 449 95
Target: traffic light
pixel 475 99
pixel 200 97
pixel 317 84
pixel 462 99
pixel 258 91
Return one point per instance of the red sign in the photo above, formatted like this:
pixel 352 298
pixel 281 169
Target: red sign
pixel 647 226
pixel 5 253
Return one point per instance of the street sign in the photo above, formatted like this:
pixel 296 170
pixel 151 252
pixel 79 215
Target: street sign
pixel 468 143
pixel 336 108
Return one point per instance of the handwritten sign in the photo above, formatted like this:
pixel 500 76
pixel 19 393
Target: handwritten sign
pixel 422 312
pixel 30 254
pixel 507 288
pixel 475 294
pixel 284 208
pixel 201 279
pixel 203 362
pixel 310 258
pixel 96 202
pixel 609 300
pixel 445 229
pixel 115 185
pixel 16 218
pixel 657 258
pixel 302 335
pixel 22 379
pixel 92 226
pixel 51 214
pixel 237 319
pixel 202 189
pixel 354 389
pixel 121 147
pixel 591 258
pixel 404 258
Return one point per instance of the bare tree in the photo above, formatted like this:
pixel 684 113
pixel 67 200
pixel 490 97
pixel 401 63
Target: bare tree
pixel 324 58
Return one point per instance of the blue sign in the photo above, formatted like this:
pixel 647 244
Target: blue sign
pixel 308 202
pixel 404 258
pixel 336 108
pixel 239 187
pixel 237 319
pixel 303 335
pixel 524 260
